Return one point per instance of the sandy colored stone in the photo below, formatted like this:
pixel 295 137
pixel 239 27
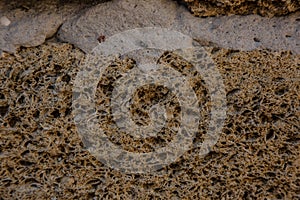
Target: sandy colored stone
pixel 267 8
pixel 116 16
pixel 32 22
pixel 236 32
pixel 257 154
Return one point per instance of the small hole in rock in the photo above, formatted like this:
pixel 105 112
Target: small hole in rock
pixel 12 122
pixel 278 79
pixel 284 105
pixel 25 126
pixel 25 153
pixel 281 91
pixel 276 117
pixel 264 118
pixel 293 140
pixel 36 114
pixel 55 113
pixel 2 96
pixel 21 100
pixel 68 111
pixel 66 78
pixel 279 196
pixel 233 92
pixel 26 163
pixel 271 174
pixel 215 50
pixel 246 194
pixel 57 67
pixel 51 87
pixel 256 39
pixel 3 110
pixel 270 134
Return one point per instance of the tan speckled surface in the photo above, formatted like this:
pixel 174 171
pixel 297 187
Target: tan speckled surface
pixel 257 155
pixel 242 7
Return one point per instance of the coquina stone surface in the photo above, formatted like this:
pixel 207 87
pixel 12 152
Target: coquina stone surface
pixel 242 7
pixel 43 157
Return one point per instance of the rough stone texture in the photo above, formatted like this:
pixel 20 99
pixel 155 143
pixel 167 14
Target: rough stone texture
pixel 269 8
pixel 33 21
pixel 116 16
pixel 257 155
pixel 236 32
pixel 249 32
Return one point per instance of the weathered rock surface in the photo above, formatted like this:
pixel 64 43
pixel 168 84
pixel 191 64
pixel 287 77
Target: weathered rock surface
pixel 242 7
pixel 250 32
pixel 31 22
pixel 236 32
pixel 43 157
pixel 26 33
pixel 116 16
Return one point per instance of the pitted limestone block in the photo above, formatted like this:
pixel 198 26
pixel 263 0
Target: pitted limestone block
pixel 256 156
pixel 242 7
